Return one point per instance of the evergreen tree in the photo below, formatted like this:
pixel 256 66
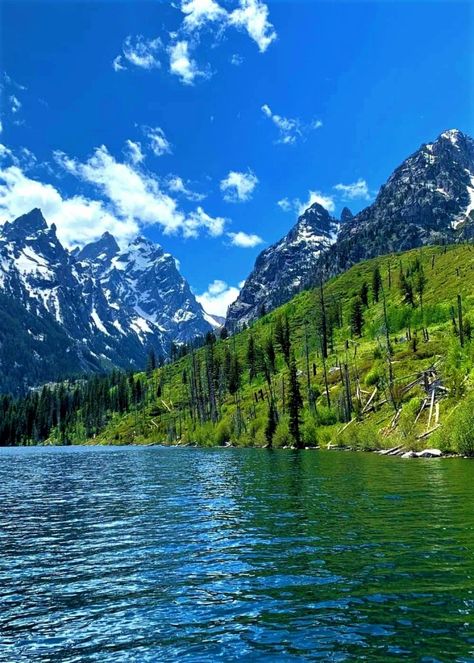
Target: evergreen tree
pixel 151 362
pixel 271 425
pixel 364 294
pixel 376 283
pixel 282 336
pixel 224 333
pixel 251 358
pixel 357 317
pixel 295 402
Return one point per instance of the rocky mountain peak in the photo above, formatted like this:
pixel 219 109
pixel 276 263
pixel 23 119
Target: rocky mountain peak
pixel 346 215
pixel 25 225
pixel 105 248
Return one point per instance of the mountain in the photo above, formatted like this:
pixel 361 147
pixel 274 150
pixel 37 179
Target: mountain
pixel 428 199
pixel 282 269
pixel 64 313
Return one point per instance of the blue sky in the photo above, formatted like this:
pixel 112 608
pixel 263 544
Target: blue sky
pixel 206 125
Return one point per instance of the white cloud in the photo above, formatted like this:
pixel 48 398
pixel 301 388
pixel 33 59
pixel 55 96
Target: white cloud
pixel 139 52
pixel 78 219
pixel 298 207
pixel 137 195
pixel 244 240
pixel 200 219
pixel 181 63
pixel 117 64
pixel 158 142
pixel 1 127
pixel 134 151
pixel 15 104
pixel 290 129
pixel 238 187
pixel 218 297
pixel 236 60
pixel 285 204
pixel 355 190
pixel 200 12
pixel 317 197
pixel 176 185
pixel 252 16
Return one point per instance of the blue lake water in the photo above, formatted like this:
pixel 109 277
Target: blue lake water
pixel 165 554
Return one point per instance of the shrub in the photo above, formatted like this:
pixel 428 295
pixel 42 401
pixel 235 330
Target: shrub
pixel 310 431
pixel 282 435
pixel 462 429
pixel 325 416
pixel 408 416
pixel 223 433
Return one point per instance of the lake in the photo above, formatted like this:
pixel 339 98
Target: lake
pixel 168 554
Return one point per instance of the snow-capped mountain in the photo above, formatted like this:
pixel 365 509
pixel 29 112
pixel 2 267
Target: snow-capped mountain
pixel 428 199
pixel 282 269
pixel 70 312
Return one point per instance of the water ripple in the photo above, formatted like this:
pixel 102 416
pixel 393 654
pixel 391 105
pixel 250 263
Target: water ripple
pixel 130 554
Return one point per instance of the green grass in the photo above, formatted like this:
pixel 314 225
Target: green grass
pixel 449 272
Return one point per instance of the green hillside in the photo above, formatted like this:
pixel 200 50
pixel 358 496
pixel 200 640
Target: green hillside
pixel 405 380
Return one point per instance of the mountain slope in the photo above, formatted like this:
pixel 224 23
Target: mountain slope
pixel 87 310
pixel 283 268
pixel 428 199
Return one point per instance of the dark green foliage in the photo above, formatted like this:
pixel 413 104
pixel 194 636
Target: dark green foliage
pixel 376 283
pixel 70 412
pixel 295 402
pixel 271 425
pixel 252 358
pixel 364 294
pixel 282 336
pixel 357 317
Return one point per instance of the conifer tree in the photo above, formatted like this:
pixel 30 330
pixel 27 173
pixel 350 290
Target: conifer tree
pixel 376 283
pixel 295 402
pixel 282 336
pixel 357 317
pixel 271 425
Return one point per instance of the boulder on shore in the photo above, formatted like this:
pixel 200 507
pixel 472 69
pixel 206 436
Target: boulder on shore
pixel 430 453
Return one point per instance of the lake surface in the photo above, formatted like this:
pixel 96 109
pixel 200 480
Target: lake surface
pixel 162 554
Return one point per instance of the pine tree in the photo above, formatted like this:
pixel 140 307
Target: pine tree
pixel 376 283
pixel 364 294
pixel 151 362
pixel 272 421
pixel 295 402
pixel 357 317
pixel 282 336
pixel 251 358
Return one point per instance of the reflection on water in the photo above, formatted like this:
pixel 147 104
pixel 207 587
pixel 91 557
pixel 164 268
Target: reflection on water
pixel 159 554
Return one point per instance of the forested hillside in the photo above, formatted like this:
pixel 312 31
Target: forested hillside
pixel 378 357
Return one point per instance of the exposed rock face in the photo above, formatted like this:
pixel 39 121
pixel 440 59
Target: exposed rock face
pixel 428 199
pixel 282 269
pixel 68 313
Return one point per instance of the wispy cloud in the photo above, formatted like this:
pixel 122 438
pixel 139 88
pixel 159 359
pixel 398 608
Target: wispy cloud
pixel 159 144
pixel 139 51
pixel 134 151
pixel 238 187
pixel 290 130
pixel 244 240
pixel 176 184
pixel 353 191
pixel 182 65
pixel 137 195
pixel 252 16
